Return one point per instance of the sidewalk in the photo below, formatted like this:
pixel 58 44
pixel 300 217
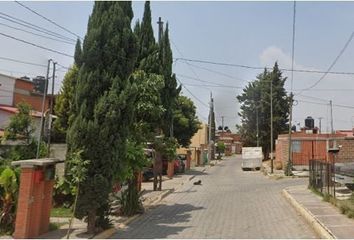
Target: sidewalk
pixel 149 198
pixel 325 218
pixel 298 172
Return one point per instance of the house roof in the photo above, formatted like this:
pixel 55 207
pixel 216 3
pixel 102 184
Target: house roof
pixel 348 133
pixel 14 110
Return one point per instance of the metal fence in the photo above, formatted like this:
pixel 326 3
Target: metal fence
pixel 321 176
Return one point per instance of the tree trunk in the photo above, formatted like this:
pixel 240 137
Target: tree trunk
pixel 91 221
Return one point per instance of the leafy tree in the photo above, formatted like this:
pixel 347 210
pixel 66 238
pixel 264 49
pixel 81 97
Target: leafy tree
pixel 255 100
pixel 148 107
pixel 130 199
pixel 220 148
pixel 105 95
pixel 78 171
pixel 21 124
pixel 185 121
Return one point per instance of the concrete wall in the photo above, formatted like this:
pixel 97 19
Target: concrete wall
pixel 6 89
pixel 59 151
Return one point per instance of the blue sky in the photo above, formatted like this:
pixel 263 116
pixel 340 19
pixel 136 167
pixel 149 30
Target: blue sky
pixel 248 33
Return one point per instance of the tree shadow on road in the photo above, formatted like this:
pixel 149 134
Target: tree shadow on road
pixel 160 222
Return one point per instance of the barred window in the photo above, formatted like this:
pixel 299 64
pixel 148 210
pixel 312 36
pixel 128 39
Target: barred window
pixel 296 146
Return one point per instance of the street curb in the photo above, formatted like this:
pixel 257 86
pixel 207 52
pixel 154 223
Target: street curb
pixel 316 224
pixel 109 232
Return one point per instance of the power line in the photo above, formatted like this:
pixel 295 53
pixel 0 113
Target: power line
pixel 47 19
pixel 35 45
pixel 33 27
pixel 332 65
pixel 36 34
pixel 25 73
pixel 216 72
pixel 67 68
pixel 204 81
pixel 29 63
pixel 259 68
pixel 326 104
pixel 214 86
pixel 205 105
pixel 24 62
pixel 192 70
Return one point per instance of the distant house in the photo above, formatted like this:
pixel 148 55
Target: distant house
pixel 232 141
pixel 15 90
pixel 7 112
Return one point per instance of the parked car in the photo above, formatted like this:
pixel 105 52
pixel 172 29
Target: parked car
pixel 178 166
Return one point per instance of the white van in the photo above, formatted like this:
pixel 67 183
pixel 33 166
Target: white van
pixel 252 158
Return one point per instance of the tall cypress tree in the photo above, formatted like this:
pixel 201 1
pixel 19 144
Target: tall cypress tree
pixel 105 97
pixel 148 59
pixel 170 91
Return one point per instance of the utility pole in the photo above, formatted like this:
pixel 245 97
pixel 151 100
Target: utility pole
pixel 43 105
pixel 160 23
pixel 210 119
pixel 320 120
pixel 271 126
pixel 331 106
pixel 51 109
pixel 257 126
pixel 222 124
pixel 288 170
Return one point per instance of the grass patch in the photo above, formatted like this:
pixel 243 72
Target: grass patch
pixel 61 212
pixel 346 207
pixel 55 226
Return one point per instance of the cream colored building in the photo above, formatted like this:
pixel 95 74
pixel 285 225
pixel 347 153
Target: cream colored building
pixel 198 142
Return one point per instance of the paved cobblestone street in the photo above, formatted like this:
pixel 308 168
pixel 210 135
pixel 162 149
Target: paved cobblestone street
pixel 230 203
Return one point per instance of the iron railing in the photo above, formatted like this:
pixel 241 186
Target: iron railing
pixel 321 176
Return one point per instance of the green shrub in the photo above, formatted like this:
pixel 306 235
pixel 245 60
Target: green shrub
pixel 9 185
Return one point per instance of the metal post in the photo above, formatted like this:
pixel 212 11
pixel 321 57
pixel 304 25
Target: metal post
pixel 210 119
pixel 320 119
pixel 51 110
pixel 330 104
pixel 222 124
pixel 43 105
pixel 271 126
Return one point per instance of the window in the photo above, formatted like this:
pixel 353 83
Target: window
pixel 296 146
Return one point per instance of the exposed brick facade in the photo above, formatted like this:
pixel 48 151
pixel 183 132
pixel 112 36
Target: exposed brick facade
pixel 24 93
pixel 314 146
pixel 34 204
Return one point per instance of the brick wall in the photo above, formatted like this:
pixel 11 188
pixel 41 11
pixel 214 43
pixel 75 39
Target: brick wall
pixel 34 204
pixel 315 147
pixel 24 93
pixel 346 153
